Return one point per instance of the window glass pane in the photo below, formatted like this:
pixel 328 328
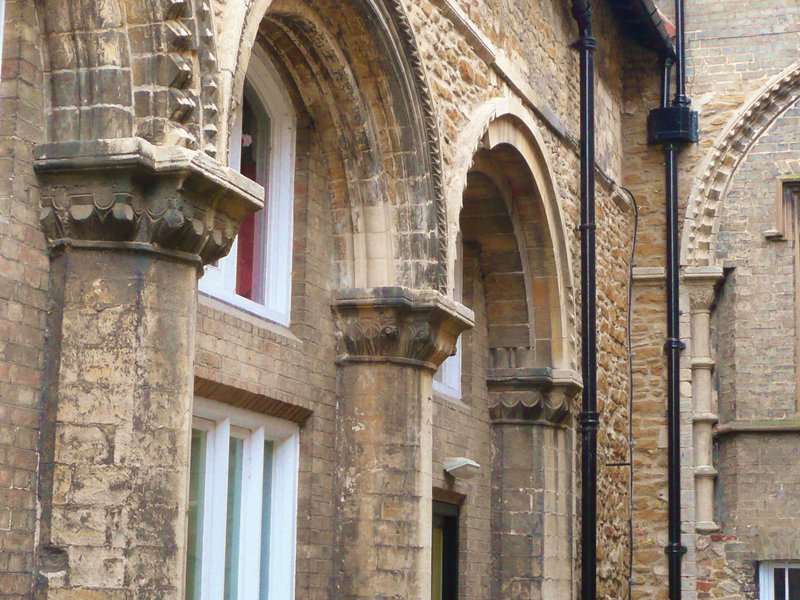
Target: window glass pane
pixel 266 499
pixel 794 584
pixel 251 242
pixel 194 551
pixel 780 584
pixel 233 521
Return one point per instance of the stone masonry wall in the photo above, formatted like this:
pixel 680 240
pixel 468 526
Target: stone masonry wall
pixel 762 297
pixel 643 168
pixel 732 50
pixel 23 296
pixel 759 474
pixel 459 86
pixel 296 365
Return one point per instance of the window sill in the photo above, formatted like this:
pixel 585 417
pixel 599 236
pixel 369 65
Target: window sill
pixel 444 396
pixel 257 320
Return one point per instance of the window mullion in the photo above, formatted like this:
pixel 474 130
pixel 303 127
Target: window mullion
pixel 250 553
pixel 217 489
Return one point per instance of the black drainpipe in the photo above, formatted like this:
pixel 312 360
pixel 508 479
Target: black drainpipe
pixel 589 418
pixel 673 127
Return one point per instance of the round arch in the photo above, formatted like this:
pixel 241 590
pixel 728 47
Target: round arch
pixel 360 78
pixel 716 171
pixel 506 125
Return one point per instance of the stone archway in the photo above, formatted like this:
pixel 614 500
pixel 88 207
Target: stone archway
pixel 505 125
pixel 701 223
pixel 511 222
pixel 352 71
pixel 372 105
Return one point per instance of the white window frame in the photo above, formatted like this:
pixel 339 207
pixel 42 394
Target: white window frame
pixel 447 380
pixel 766 578
pixel 219 420
pixel 219 280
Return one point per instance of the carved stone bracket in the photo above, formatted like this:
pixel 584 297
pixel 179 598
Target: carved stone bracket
pixel 396 324
pixel 127 193
pixel 531 395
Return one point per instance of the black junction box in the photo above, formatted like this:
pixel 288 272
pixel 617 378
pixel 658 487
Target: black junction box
pixel 672 124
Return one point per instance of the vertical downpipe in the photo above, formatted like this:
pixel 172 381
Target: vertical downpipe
pixel 675 549
pixel 673 127
pixel 589 418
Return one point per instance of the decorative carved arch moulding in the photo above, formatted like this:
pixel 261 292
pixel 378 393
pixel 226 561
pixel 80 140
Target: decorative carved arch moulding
pixel 133 68
pixel 397 37
pixel 723 159
pixel 485 126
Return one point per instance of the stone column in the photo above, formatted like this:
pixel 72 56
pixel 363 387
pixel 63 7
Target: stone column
pixel 701 282
pixel 129 226
pixel 391 342
pixel 532 480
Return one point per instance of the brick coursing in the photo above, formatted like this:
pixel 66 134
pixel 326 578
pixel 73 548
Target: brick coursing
pixel 23 297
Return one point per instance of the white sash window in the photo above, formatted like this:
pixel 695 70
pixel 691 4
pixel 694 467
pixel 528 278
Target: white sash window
pixel 242 505
pixel 257 274
pixel 779 581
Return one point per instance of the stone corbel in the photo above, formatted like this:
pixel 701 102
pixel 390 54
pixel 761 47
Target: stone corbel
pixel 128 194
pixel 701 284
pixel 399 325
pixel 531 395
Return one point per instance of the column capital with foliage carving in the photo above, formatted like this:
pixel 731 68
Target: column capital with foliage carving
pixel 399 325
pixel 128 194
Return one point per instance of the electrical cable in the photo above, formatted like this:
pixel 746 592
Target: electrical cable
pixel 631 442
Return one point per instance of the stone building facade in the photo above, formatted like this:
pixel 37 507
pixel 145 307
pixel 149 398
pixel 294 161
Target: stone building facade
pixel 741 468
pixel 372 391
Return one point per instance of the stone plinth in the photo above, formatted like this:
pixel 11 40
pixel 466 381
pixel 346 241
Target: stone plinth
pixel 391 341
pixel 128 227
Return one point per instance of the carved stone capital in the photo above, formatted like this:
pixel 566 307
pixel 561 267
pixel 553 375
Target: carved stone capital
pixel 396 324
pixel 128 193
pixel 531 395
pixel 701 284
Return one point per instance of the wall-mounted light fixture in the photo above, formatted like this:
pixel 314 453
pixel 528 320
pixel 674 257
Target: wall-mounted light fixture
pixel 461 467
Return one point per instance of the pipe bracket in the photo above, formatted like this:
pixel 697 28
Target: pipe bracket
pixel 675 548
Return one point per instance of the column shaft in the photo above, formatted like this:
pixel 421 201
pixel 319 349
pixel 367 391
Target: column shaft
pixel 118 422
pixel 128 226
pixel 391 340
pixel 384 445
pixel 701 283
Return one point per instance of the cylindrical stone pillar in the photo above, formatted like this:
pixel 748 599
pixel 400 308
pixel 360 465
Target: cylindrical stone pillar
pixel 701 283
pixel 120 420
pixel 391 341
pixel 532 482
pixel 128 225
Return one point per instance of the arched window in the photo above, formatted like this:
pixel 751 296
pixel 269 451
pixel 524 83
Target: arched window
pixel 257 274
